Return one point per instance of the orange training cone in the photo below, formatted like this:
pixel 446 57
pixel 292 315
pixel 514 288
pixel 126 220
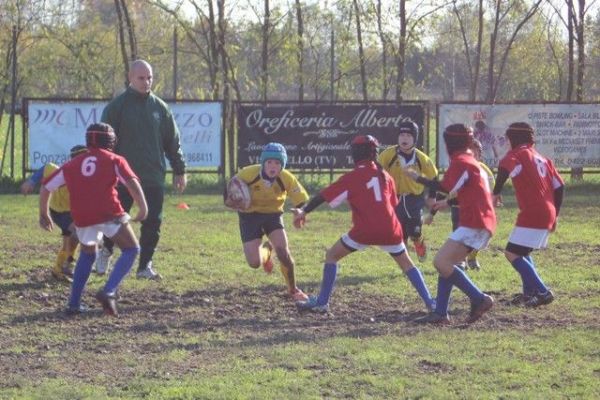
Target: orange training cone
pixel 183 206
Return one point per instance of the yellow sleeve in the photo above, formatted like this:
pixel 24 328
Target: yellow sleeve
pixel 491 177
pixel 249 173
pixel 49 168
pixel 386 156
pixel 294 188
pixel 427 166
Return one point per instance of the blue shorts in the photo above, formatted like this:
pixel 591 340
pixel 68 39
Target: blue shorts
pixel 255 225
pixel 63 220
pixel 410 214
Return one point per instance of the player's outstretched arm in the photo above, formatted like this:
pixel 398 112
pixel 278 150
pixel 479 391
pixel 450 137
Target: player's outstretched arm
pixel 299 217
pixel 45 220
pixel 136 192
pixel 300 213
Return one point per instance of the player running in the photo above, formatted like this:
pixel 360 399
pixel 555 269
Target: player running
pixel 270 184
pixel 466 180
pixel 539 191
pixel 91 179
pixel 371 193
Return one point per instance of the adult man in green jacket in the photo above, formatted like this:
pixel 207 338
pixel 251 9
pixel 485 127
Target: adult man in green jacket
pixel 146 134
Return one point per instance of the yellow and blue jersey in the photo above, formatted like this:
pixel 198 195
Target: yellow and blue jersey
pixel 394 164
pixel 269 197
pixel 59 201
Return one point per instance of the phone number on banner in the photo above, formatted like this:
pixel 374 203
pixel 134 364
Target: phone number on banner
pixel 198 157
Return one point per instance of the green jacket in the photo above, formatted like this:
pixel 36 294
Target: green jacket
pixel 146 134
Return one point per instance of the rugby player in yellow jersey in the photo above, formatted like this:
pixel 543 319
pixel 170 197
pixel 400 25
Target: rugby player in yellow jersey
pixel 270 184
pixel 60 211
pixel 411 194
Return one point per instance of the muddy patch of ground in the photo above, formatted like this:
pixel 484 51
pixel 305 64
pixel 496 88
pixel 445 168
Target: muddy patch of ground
pixel 37 340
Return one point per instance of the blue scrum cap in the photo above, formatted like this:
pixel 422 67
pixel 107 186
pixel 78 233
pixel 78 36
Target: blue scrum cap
pixel 274 151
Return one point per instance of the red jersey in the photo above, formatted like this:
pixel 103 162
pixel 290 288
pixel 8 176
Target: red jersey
pixel 371 193
pixel 470 181
pixel 534 179
pixel 91 179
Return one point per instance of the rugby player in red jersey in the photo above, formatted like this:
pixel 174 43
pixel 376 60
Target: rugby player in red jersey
pixel 465 179
pixel 539 191
pixel 371 194
pixel 91 178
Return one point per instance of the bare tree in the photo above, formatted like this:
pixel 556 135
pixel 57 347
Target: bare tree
pixel 300 51
pixel 266 30
pixel 401 54
pixel 361 51
pixel 384 45
pixel 473 60
pixel 126 27
pixel 407 26
pixel 500 14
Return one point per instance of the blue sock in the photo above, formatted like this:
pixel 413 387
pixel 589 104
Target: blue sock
pixel 83 268
pixel 121 269
pixel 443 295
pixel 416 278
pixel 531 280
pixel 329 274
pixel 517 265
pixel 462 281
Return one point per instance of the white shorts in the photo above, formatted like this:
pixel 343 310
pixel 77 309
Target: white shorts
pixel 392 249
pixel 91 235
pixel 477 239
pixel 529 237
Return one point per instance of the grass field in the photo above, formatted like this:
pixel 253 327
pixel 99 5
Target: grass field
pixel 216 329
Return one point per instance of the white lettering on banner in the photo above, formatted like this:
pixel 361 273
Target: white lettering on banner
pixel 367 118
pixel 272 125
pixel 320 147
pixel 55 127
pixel 327 126
pixel 253 146
pixel 569 134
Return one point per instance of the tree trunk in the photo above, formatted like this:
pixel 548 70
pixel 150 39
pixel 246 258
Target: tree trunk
pixel 577 173
pixel 580 50
pixel 126 26
pixel 265 51
pixel 475 82
pixel 571 33
pixel 124 55
pixel 506 52
pixel 133 50
pixel 213 52
pixel 300 51
pixel 227 109
pixel 400 58
pixel 361 52
pixel 382 39
pixel 492 58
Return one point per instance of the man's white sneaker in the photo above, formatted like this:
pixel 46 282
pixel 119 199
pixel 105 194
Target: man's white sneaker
pixel 148 273
pixel 103 261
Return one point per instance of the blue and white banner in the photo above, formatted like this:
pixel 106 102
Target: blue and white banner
pixel 569 134
pixel 55 126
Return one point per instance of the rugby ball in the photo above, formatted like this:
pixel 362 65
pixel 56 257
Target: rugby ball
pixel 238 194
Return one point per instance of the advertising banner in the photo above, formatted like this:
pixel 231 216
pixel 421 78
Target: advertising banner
pixel 569 134
pixel 318 136
pixel 55 126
